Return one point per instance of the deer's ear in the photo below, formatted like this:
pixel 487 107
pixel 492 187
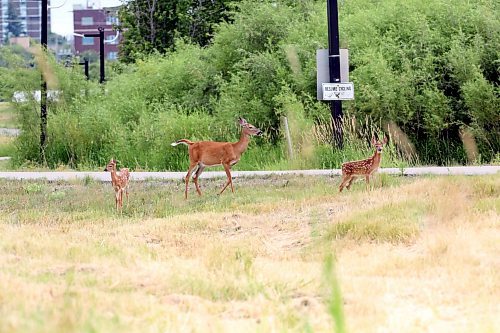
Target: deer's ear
pixel 385 140
pixel 242 121
pixel 374 142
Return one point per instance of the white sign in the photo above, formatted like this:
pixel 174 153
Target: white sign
pixel 323 69
pixel 338 91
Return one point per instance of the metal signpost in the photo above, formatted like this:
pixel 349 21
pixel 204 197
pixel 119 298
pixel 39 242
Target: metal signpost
pixel 333 74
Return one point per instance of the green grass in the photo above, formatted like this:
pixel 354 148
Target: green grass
pixel 5 165
pixel 160 199
pixel 8 117
pixel 7 147
pixel 398 222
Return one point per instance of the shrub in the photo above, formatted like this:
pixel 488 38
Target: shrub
pixel 422 69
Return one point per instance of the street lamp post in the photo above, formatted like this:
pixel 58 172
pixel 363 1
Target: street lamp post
pixel 99 35
pixel 85 64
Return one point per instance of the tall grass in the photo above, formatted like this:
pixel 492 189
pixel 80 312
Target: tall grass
pixel 357 138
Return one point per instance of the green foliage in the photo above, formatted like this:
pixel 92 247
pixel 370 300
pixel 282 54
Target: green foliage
pixel 482 99
pixel 425 68
pixel 153 26
pixel 417 63
pixel 15 71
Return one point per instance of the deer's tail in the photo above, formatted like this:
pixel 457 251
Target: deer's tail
pixel 183 142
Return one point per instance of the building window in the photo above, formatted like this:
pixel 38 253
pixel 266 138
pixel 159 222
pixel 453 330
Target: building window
pixel 111 20
pixel 88 41
pixel 110 39
pixel 87 20
pixel 112 55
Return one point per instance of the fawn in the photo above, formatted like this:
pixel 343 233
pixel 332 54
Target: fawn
pixel 119 182
pixel 351 170
pixel 209 153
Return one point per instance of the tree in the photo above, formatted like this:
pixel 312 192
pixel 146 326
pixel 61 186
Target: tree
pixel 14 26
pixel 152 25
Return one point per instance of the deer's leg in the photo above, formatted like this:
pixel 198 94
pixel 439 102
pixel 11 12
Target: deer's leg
pixel 351 179
pixel 117 198
pixel 229 179
pixel 367 178
pixel 196 176
pixel 341 186
pixel 126 193
pixel 345 178
pixel 188 175
pixel 121 199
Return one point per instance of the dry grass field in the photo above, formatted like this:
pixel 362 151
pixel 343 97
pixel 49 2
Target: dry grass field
pixel 412 255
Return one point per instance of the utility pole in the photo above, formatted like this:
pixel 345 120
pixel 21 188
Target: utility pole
pixel 43 90
pixel 334 63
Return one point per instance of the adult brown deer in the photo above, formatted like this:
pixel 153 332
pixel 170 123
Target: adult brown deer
pixel 119 182
pixel 204 154
pixel 351 170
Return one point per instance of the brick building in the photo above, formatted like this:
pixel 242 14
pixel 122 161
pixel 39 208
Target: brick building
pixel 27 15
pixel 87 21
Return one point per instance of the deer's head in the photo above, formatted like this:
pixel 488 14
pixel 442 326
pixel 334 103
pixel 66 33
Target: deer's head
pixel 111 165
pixel 248 128
pixel 379 144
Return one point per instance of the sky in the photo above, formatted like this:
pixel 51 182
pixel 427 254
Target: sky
pixel 62 17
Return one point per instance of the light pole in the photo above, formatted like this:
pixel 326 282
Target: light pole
pixel 100 35
pixel 334 63
pixel 85 64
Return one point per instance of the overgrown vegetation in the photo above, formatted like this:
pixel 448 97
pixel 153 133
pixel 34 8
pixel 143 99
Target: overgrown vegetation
pixel 425 73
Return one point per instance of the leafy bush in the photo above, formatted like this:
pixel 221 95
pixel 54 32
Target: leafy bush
pixel 425 70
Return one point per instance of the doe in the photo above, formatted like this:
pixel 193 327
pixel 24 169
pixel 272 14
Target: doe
pixel 351 170
pixel 119 180
pixel 209 153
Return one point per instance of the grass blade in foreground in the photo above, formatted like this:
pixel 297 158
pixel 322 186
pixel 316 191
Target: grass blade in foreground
pixel 335 302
